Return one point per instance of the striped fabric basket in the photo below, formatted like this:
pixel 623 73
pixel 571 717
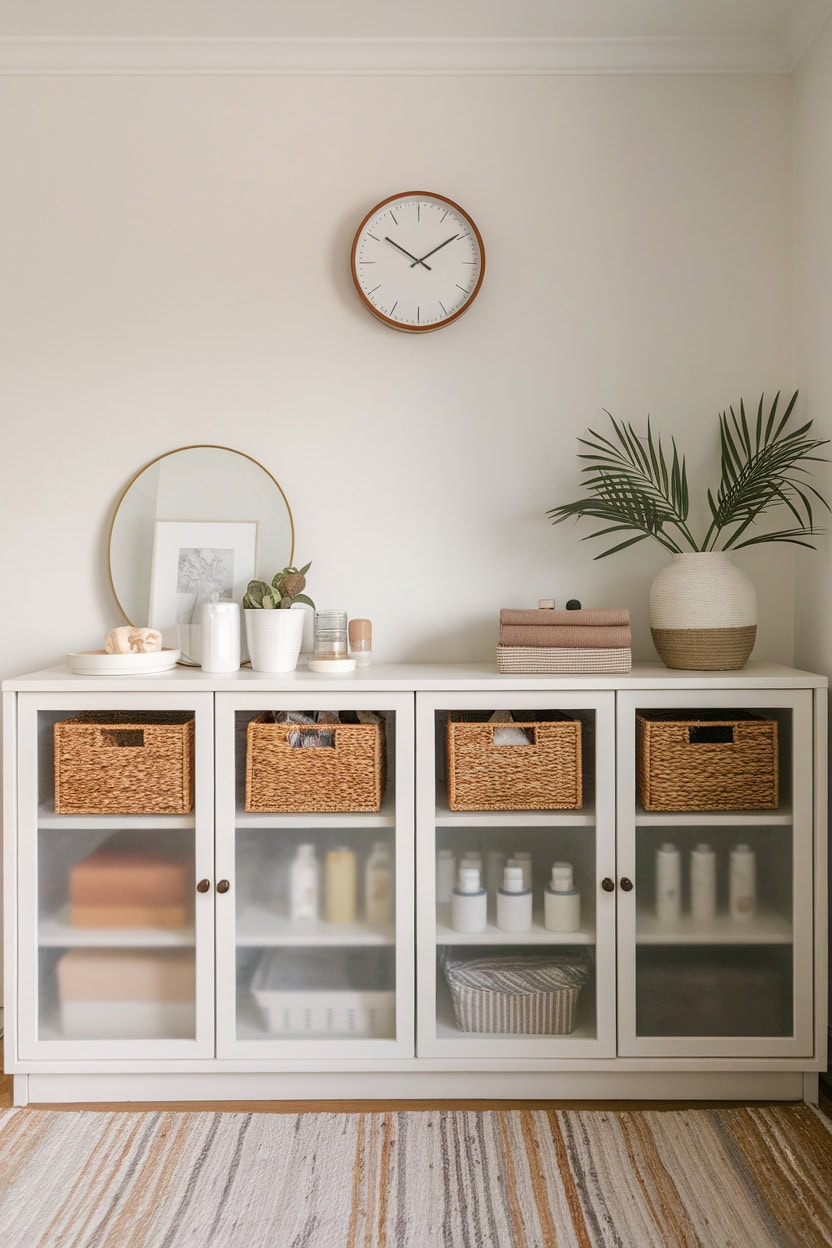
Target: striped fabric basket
pixel 527 995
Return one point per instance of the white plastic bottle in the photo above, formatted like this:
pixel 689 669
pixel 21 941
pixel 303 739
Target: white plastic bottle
pixel 514 902
pixel 668 883
pixel 468 902
pixel 742 884
pixel 378 885
pixel 445 875
pixel 304 884
pixel 561 900
pixel 703 883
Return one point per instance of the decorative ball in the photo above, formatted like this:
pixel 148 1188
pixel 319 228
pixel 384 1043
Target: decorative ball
pixel 573 605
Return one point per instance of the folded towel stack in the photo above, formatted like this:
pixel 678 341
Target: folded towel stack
pixel 595 639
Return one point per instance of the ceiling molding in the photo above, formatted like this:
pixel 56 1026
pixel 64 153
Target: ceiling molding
pixel 372 57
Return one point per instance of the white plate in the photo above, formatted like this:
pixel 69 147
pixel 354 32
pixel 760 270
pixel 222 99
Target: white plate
pixel 98 663
pixel 332 666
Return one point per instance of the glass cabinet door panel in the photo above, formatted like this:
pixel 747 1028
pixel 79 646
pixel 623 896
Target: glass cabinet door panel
pixel 119 954
pixel 522 967
pixel 315 944
pixel 715 903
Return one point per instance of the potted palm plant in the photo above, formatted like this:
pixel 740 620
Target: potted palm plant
pixel 703 612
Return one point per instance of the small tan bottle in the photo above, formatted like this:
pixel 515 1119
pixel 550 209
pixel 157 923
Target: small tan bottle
pixel 340 885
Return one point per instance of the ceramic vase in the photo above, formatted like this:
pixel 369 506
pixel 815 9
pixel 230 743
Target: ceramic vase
pixel 703 613
pixel 274 638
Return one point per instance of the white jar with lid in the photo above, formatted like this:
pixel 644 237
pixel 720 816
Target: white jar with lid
pixel 468 902
pixel 514 902
pixel 562 900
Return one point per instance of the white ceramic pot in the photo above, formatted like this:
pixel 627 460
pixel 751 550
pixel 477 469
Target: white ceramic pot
pixel 274 638
pixel 703 613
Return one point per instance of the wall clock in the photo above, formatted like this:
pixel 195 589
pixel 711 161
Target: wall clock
pixel 417 261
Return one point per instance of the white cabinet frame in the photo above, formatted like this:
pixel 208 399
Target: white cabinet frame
pixel 395 815
pixel 798 816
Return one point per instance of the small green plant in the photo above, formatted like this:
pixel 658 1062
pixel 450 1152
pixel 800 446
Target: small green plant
pixel 285 590
pixel 634 489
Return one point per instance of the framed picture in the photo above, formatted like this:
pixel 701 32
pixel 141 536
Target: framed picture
pixel 194 561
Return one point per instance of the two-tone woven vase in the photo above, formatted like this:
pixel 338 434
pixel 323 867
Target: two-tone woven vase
pixel 703 613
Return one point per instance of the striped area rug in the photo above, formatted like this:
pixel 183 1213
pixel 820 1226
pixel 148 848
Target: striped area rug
pixel 670 1178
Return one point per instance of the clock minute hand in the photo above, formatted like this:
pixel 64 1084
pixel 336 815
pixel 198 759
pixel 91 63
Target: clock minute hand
pixel 409 255
pixel 430 253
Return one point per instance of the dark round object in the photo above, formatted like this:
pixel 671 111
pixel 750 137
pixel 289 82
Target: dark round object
pixel 573 605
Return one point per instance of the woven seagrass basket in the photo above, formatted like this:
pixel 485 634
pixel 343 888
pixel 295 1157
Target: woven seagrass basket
pixel 347 775
pixel 124 763
pixel 545 774
pixel 710 761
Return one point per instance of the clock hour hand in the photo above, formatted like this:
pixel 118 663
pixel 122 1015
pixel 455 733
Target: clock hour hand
pixel 430 253
pixel 416 261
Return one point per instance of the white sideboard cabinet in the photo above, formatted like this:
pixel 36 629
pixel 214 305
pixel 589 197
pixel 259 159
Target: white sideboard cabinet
pixel 186 973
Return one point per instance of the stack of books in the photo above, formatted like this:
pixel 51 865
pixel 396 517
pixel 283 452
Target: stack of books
pixel 595 639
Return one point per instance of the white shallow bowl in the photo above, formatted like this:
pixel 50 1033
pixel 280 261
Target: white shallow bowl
pixel 332 666
pixel 99 663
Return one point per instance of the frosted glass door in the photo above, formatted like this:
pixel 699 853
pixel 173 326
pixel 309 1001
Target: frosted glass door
pixel 315 951
pixel 116 834
pixel 715 905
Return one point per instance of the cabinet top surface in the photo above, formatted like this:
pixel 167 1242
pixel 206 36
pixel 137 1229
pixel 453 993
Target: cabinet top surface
pixel 415 677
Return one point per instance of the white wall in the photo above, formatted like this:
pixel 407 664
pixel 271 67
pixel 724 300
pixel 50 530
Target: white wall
pixel 813 316
pixel 176 270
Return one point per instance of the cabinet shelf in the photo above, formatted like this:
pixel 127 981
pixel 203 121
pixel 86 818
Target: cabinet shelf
pixel 493 935
pixel 260 927
pixel 120 823
pixel 56 930
pixel 446 818
pixel 384 818
pixel 768 927
pixel 716 818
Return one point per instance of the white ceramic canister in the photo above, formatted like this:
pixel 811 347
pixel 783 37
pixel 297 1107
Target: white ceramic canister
pixel 514 902
pixel 562 900
pixel 220 636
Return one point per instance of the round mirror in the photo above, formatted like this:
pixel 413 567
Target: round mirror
pixel 198 521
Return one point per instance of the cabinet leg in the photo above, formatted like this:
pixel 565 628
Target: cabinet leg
pixel 811 1088
pixel 20 1090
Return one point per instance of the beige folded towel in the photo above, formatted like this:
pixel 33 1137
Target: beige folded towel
pixel 595 616
pixel 588 637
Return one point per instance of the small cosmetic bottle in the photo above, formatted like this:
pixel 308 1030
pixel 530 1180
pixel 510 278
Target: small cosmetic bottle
pixel 668 883
pixel 468 902
pixel 525 859
pixel 378 885
pixel 361 641
pixel 561 900
pixel 445 875
pixel 703 883
pixel 514 902
pixel 742 884
pixel 340 885
pixel 304 884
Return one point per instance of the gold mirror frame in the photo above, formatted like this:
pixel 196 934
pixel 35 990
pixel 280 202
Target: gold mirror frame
pixel 199 446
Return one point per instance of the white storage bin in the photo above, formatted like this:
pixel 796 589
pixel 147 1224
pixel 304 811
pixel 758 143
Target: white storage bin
pixel 326 992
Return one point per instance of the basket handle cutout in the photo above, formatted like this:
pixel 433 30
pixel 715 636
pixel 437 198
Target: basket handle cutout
pixel 529 733
pixel 121 737
pixel 711 734
pixel 305 737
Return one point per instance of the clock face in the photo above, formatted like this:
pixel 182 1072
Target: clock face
pixel 417 261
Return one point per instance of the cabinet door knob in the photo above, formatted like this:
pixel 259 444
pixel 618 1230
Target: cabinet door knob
pixel 608 885
pixel 203 886
pixel 626 884
pixel 223 886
